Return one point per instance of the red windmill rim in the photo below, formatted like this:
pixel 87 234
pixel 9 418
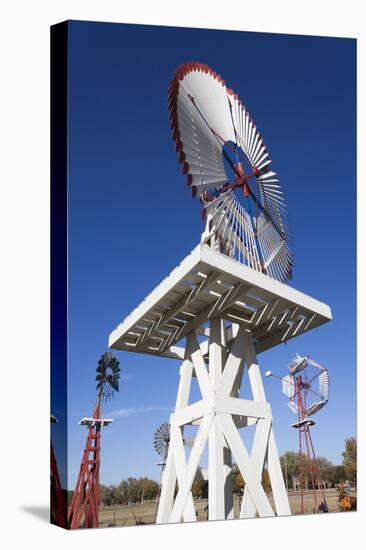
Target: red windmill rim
pixel 173 90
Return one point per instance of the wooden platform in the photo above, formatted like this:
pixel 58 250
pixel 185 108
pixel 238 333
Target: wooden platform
pixel 206 285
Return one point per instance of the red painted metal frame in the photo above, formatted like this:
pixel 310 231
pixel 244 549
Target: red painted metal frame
pixel 58 503
pixel 84 508
pixel 309 470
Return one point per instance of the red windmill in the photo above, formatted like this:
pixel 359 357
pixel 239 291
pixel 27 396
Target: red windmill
pixel 307 389
pixel 84 507
pixel 58 502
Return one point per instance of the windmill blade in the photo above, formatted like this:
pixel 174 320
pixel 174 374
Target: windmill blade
pixel 288 386
pixel 324 384
pixel 207 119
pixel 315 407
pixel 293 406
pixel 308 380
pixel 162 439
pixel 297 364
pixel 107 375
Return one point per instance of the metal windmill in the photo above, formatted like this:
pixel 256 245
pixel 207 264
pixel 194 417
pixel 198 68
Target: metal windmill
pixel 84 507
pixel 107 376
pixel 161 442
pixel 227 166
pixel 307 387
pixel 223 304
pixel 161 445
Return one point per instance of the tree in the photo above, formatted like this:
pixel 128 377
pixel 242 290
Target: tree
pixel 198 488
pixel 123 492
pixel 266 481
pixel 134 489
pixel 336 475
pixel 103 492
pixel 112 495
pixel 350 458
pixel 290 462
pixel 326 469
pixel 151 489
pixel 238 481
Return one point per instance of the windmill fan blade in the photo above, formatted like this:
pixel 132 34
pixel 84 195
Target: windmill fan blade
pixel 107 375
pixel 297 364
pixel 288 386
pixel 293 406
pixel 308 384
pixel 315 407
pixel 208 120
pixel 162 439
pixel 324 384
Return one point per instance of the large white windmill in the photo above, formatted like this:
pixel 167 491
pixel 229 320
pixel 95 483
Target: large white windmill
pixel 223 304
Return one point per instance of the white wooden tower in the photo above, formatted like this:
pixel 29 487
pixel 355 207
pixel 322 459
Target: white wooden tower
pixel 215 315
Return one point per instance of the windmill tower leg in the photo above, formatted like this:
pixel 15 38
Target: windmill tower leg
pixel 58 503
pixel 216 416
pixel 220 487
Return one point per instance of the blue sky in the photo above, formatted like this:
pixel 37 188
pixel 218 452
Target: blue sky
pixel 132 219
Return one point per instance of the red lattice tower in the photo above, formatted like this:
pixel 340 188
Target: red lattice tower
pixel 309 468
pixel 84 509
pixel 307 389
pixel 58 503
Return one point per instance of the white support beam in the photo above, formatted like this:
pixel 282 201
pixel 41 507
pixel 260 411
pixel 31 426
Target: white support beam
pixel 257 458
pixel 191 469
pixel 199 365
pixel 189 513
pixel 215 414
pixel 188 415
pixel 243 407
pixel 274 466
pixel 247 470
pixel 233 364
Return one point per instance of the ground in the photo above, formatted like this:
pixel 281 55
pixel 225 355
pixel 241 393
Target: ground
pixel 116 516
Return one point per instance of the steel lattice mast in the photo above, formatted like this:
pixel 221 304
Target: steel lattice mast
pixel 307 387
pixel 302 384
pixel 84 509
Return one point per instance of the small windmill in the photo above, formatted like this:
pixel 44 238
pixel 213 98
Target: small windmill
pixel 85 501
pixel 161 442
pixel 161 445
pixel 307 387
